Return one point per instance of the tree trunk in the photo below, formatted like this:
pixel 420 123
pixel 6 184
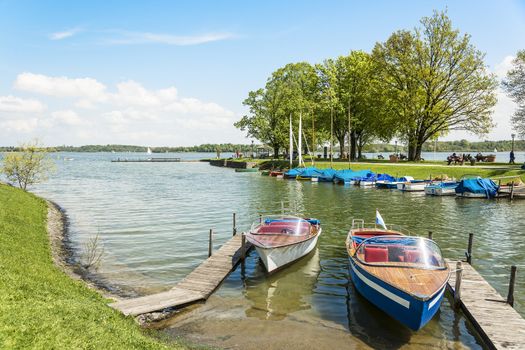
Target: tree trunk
pixel 276 151
pixel 341 146
pixel 360 147
pixel 411 148
pixel 353 145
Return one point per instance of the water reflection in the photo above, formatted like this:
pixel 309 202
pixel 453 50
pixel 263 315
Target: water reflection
pixel 274 296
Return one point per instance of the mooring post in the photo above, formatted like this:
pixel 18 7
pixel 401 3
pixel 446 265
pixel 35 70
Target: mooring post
pixel 210 243
pixel 510 296
pixel 260 218
pixel 457 287
pixel 512 190
pixel 234 225
pixel 469 248
pixel 430 235
pixel 243 246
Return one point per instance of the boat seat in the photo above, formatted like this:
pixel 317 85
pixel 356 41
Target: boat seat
pixel 376 254
pixel 412 256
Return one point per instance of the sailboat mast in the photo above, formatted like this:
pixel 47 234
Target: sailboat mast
pixel 290 149
pixel 349 135
pixel 331 136
pixel 300 146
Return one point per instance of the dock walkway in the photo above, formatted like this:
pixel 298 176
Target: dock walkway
pixel 198 285
pixel 500 326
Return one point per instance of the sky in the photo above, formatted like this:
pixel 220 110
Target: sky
pixel 174 73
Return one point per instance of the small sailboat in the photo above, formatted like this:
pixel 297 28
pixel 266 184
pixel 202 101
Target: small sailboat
pixel 402 275
pixel 148 151
pixel 282 239
pixel 476 187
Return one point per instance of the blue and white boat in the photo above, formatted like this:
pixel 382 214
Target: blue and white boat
pixel 326 175
pixel 402 275
pixel 392 184
pixel 477 187
pixel 351 177
pixel 293 173
pixel 442 188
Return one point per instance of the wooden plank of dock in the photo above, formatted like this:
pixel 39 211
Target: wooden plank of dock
pixel 498 324
pixel 198 285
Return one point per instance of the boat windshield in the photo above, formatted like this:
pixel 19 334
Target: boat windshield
pixel 400 251
pixel 283 225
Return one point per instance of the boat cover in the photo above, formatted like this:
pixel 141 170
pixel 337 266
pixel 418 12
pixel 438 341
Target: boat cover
pixel 294 172
pixel 327 174
pixel 478 185
pixel 385 177
pixel 310 172
pixel 350 175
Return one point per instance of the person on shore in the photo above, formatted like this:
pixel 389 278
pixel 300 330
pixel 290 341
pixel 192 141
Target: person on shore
pixel 512 157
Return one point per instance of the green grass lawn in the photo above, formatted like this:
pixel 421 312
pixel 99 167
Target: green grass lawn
pixel 40 306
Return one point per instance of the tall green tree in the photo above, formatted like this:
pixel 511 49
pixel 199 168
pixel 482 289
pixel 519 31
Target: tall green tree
pixel 435 81
pixel 514 85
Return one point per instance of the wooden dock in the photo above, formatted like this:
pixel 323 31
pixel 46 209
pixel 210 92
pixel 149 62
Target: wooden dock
pixel 498 324
pixel 145 160
pixel 197 286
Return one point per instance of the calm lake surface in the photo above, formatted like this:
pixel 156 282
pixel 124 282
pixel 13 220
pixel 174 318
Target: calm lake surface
pixel 153 221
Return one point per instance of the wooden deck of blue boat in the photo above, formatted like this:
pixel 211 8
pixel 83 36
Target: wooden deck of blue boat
pixel 498 324
pixel 197 286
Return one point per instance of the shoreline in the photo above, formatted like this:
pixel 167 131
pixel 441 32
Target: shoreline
pixel 62 252
pixel 62 255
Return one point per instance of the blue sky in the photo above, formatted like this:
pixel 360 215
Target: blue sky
pixel 175 73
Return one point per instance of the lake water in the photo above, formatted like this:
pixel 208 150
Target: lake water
pixel 153 221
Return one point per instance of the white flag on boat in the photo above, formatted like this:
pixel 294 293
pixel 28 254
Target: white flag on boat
pixel 379 220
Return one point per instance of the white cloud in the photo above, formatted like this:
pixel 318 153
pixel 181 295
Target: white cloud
pixel 67 117
pixel 127 112
pixel 19 125
pixel 132 38
pixel 86 88
pixel 64 34
pixel 16 104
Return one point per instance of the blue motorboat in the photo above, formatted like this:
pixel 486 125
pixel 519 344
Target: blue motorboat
pixel 476 187
pixel 308 173
pixel 392 184
pixel 404 276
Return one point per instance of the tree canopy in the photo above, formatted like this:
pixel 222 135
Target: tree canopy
pixel 514 85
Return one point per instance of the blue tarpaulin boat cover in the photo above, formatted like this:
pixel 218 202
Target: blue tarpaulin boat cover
pixel 478 185
pixel 310 172
pixel 294 172
pixel 385 177
pixel 348 175
pixel 327 175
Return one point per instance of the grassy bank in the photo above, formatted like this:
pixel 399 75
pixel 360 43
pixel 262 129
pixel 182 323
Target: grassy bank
pixel 40 306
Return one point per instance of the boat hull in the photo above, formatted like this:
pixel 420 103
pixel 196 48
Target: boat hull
pixel 440 191
pixel 405 308
pixel 412 187
pixel 278 257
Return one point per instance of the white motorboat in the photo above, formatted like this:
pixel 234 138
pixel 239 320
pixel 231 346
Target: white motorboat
pixel 280 240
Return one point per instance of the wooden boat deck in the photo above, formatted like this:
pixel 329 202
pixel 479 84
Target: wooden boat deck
pixel 198 285
pixel 500 326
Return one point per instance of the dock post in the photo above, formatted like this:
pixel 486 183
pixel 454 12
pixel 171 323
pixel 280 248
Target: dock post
pixel 430 235
pixel 469 248
pixel 510 295
pixel 260 218
pixel 210 243
pixel 512 190
pixel 243 247
pixel 234 225
pixel 457 287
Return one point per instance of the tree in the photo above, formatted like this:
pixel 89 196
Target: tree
pixel 514 85
pixel 435 81
pixel 290 90
pixel 28 166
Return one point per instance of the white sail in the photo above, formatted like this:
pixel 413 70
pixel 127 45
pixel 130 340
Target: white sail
pixel 149 150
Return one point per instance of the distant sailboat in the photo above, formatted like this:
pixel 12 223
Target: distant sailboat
pixel 495 149
pixel 149 150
